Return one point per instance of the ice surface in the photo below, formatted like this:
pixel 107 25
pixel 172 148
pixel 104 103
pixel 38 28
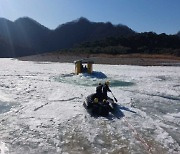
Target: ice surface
pixel 46 115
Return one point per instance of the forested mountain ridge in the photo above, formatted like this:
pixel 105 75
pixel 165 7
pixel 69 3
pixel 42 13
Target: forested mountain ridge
pixel 26 36
pixel 146 43
pixel 35 38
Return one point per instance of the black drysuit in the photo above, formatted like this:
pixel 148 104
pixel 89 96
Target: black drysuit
pixel 99 92
pixel 105 90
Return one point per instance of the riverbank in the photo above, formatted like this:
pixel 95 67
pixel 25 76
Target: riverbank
pixel 128 59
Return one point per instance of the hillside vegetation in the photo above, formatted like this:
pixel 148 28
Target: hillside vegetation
pixel 146 43
pixel 26 36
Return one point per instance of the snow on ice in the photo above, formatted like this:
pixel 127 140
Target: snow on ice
pixel 41 109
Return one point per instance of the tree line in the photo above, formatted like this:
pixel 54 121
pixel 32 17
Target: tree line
pixel 145 43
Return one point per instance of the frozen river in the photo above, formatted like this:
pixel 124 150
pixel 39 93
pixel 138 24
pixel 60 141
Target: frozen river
pixel 41 109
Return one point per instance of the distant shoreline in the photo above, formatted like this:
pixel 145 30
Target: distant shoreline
pixel 125 59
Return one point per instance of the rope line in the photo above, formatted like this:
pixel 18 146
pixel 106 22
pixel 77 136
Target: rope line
pixel 138 136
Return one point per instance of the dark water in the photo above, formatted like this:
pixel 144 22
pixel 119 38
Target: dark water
pixel 90 80
pixel 118 83
pixel 5 107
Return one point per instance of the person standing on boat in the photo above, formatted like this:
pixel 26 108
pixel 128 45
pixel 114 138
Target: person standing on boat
pixel 99 92
pixel 105 90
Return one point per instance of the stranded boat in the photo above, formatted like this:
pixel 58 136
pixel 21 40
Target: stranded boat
pixel 99 107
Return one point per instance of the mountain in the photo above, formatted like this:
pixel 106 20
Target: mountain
pixel 8 49
pixel 5 48
pixel 148 43
pixel 31 35
pixel 24 31
pixel 178 34
pixel 82 30
pixel 34 34
pixel 26 36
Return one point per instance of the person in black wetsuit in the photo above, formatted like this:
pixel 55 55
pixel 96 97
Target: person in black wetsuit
pixel 99 92
pixel 105 90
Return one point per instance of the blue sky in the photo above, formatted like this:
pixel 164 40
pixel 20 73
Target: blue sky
pixel 141 15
